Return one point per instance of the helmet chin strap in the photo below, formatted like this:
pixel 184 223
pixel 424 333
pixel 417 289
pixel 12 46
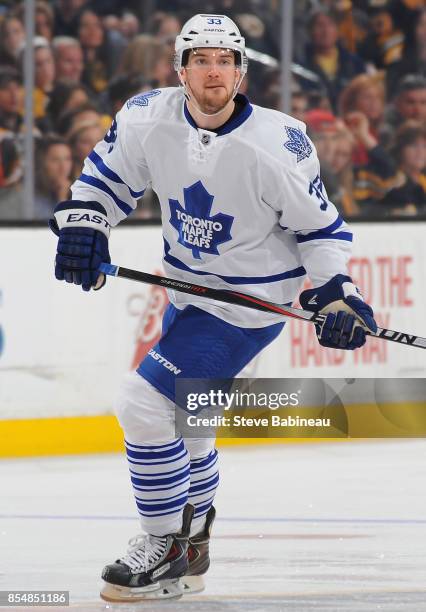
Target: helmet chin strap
pixel 191 98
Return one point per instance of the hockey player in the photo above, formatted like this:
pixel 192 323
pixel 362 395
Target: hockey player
pixel 243 206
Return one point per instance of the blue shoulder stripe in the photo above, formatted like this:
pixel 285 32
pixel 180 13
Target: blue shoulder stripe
pixel 95 182
pixel 111 175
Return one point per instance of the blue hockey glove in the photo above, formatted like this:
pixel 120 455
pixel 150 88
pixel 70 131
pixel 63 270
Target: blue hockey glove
pixel 83 232
pixel 348 316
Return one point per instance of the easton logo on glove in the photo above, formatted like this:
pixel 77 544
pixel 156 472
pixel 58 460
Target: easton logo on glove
pixel 78 217
pixel 83 231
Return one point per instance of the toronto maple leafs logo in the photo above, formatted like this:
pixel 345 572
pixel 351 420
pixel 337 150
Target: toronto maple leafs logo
pixel 297 143
pixel 197 230
pixel 143 98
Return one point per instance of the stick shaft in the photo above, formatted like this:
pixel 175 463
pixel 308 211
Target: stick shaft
pixel 249 301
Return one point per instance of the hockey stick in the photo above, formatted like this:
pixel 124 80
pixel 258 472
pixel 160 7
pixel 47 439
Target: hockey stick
pixel 249 301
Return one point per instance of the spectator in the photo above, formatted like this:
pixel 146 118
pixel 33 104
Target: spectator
pixel 66 96
pixel 327 58
pixel 44 77
pixel 408 197
pixel 364 94
pixel 67 16
pixel 165 27
pixel 82 138
pixel 299 105
pixel 409 104
pixel 53 163
pixel 384 45
pixel 44 65
pixel 413 60
pixel 10 100
pixel 12 204
pixel 44 18
pixel 254 30
pixel 405 13
pixel 108 7
pixel 270 93
pixel 322 127
pixel 102 50
pixel 68 56
pixel 149 57
pixel 123 87
pixel 111 22
pixel 374 171
pixel 130 26
pixel 83 114
pixel 12 37
pixel 353 23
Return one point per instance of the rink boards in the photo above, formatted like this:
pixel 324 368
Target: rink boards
pixel 63 352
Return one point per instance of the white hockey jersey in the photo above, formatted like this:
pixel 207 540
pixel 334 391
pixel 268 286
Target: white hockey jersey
pixel 242 209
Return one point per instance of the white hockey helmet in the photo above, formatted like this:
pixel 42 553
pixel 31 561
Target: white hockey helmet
pixel 215 31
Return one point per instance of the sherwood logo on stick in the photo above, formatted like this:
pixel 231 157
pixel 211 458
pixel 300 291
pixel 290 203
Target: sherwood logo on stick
pixel 173 283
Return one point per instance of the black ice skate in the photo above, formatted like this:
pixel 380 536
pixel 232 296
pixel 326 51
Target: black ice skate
pixel 198 557
pixel 152 567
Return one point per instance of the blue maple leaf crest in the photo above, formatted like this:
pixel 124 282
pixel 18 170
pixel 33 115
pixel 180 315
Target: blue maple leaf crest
pixel 297 143
pixel 197 230
pixel 143 98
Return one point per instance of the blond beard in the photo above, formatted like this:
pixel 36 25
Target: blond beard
pixel 209 102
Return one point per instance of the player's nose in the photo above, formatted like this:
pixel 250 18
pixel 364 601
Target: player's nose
pixel 213 71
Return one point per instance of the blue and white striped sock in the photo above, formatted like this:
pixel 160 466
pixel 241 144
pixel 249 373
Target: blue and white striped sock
pixel 204 482
pixel 160 476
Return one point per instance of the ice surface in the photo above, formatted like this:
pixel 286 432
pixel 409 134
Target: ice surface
pixel 324 527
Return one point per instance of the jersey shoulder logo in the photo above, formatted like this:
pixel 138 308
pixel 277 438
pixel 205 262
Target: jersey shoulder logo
pixel 297 143
pixel 143 98
pixel 197 230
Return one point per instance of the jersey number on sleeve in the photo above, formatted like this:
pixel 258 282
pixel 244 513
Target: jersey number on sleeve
pixel 316 187
pixel 111 136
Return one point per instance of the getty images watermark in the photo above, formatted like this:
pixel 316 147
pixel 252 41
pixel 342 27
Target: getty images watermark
pixel 246 408
pixel 237 399
pixel 301 408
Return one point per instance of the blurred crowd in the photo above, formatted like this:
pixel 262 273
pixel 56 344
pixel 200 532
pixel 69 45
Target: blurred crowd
pixel 358 82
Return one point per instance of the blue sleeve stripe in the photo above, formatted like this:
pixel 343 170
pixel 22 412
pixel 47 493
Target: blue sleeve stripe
pixel 321 235
pixel 330 228
pixel 233 280
pixel 95 182
pixel 111 175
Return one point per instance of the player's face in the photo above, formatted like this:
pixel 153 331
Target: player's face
pixel 211 75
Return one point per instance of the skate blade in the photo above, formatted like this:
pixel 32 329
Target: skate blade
pixel 115 592
pixel 192 584
pixel 165 589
